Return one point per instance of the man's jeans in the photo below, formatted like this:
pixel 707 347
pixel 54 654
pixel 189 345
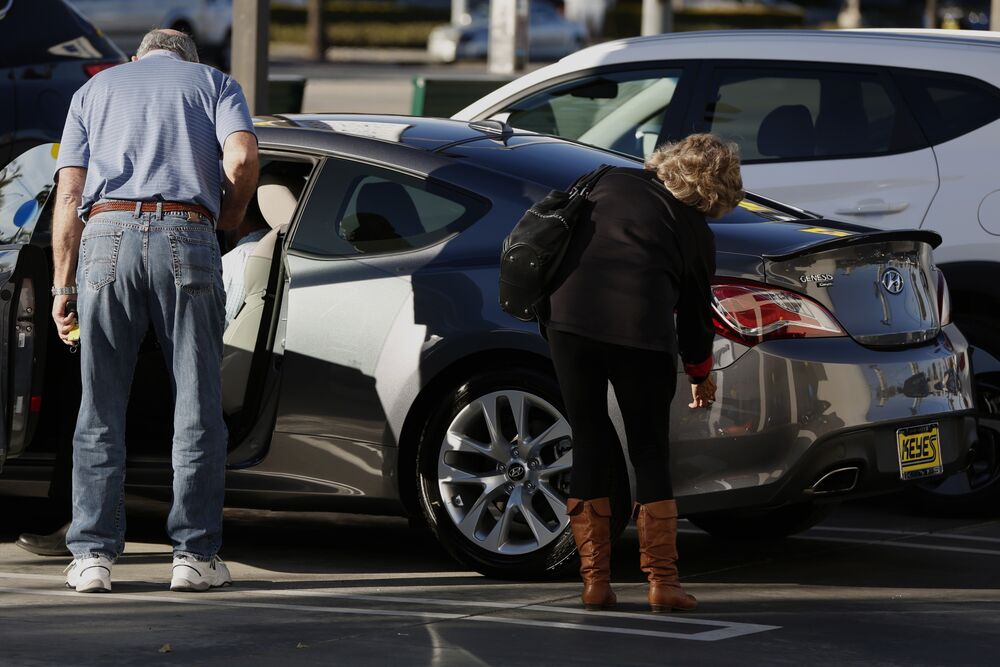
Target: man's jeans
pixel 133 270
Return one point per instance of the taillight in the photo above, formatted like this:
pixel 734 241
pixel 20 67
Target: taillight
pixel 751 314
pixel 91 69
pixel 944 299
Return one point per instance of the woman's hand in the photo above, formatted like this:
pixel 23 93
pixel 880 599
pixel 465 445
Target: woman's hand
pixel 702 394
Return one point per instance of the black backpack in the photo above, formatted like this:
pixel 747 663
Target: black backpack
pixel 535 247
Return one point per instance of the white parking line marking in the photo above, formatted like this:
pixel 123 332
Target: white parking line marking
pixel 723 630
pixel 898 543
pixel 662 618
pixel 909 533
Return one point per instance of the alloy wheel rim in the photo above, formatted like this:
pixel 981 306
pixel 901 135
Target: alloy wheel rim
pixel 503 472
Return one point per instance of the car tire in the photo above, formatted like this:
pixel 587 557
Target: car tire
pixel 486 516
pixel 769 524
pixel 975 490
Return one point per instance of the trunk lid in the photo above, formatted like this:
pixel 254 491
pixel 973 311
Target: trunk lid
pixel 881 287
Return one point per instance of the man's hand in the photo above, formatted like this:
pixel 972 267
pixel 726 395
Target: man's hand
pixel 703 394
pixel 66 230
pixel 64 321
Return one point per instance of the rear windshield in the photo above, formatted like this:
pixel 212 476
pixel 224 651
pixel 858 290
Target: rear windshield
pixel 752 211
pixel 43 31
pixel 550 162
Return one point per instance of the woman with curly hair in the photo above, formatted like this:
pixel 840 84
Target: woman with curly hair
pixel 644 255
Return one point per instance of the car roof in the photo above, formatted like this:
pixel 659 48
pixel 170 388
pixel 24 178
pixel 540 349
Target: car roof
pixel 417 132
pixel 424 145
pixel 459 151
pixel 841 37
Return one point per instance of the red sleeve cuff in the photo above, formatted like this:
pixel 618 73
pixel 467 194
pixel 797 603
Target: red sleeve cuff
pixel 699 370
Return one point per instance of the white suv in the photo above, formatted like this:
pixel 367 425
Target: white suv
pixel 126 21
pixel 891 129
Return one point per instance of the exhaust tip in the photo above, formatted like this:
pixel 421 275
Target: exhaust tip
pixel 840 480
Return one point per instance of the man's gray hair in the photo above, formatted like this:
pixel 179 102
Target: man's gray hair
pixel 176 42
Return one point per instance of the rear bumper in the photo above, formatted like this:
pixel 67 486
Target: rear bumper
pixel 865 458
pixel 789 412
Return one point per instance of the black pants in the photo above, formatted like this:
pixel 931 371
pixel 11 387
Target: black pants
pixel 644 382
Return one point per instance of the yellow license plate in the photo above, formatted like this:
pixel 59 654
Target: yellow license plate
pixel 919 450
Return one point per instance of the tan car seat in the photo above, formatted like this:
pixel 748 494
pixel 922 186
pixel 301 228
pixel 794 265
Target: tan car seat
pixel 277 197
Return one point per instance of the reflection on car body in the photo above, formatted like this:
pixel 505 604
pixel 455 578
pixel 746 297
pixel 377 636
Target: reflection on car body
pixel 372 370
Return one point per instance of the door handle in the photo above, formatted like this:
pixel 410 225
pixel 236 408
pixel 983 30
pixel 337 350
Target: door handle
pixel 874 207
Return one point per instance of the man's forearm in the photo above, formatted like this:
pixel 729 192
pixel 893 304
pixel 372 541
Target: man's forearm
pixel 240 165
pixel 67 226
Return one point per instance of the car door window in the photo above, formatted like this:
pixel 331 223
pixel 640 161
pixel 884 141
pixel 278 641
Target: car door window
pixel 776 114
pixel 360 209
pixel 621 111
pixel 949 105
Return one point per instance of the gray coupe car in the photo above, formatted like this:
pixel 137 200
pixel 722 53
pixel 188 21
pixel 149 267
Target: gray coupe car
pixel 372 370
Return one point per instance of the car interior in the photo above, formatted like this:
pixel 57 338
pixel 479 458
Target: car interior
pixel 247 368
pixel 279 189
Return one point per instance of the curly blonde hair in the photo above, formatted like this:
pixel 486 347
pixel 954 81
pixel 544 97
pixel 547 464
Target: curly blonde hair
pixel 702 171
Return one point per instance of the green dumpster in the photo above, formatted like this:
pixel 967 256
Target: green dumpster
pixel 433 96
pixel 285 92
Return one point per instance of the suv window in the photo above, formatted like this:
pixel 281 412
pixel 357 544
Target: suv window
pixel 621 111
pixel 356 209
pixel 791 114
pixel 949 105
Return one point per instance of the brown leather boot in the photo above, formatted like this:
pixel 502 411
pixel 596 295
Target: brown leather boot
pixel 657 523
pixel 591 524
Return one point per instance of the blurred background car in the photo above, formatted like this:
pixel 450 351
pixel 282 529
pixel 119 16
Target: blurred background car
pixel 550 35
pixel 47 51
pixel 973 15
pixel 126 21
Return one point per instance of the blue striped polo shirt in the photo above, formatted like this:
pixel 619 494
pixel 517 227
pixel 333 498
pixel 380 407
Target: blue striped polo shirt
pixel 153 130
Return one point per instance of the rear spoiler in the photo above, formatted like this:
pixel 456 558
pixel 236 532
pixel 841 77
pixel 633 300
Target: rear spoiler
pixel 782 207
pixel 933 239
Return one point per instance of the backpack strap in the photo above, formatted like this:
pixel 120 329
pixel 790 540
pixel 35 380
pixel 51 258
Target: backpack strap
pixel 587 182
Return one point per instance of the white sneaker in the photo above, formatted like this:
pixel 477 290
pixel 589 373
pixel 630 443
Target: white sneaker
pixel 89 575
pixel 191 575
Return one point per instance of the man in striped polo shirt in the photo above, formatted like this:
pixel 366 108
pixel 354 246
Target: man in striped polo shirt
pixel 140 163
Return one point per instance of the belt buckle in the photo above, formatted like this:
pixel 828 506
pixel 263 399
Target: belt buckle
pixel 193 216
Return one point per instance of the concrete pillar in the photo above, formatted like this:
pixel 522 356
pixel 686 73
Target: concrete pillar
pixel 249 67
pixel 657 17
pixel 316 29
pixel 850 15
pixel 930 14
pixel 458 10
pixel 995 15
pixel 508 46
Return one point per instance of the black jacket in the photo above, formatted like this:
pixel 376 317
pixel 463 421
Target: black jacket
pixel 639 257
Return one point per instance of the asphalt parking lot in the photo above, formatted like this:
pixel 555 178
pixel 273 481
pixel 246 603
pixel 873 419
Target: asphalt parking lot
pixel 873 585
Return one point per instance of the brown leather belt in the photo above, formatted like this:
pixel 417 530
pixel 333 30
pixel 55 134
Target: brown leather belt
pixel 150 207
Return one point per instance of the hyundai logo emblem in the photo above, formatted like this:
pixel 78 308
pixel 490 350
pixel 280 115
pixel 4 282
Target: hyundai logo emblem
pixel 892 281
pixel 516 472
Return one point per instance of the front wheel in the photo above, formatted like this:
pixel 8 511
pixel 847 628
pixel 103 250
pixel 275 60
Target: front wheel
pixel 763 524
pixel 493 475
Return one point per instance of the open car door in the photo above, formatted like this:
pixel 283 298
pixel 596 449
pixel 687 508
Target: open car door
pixel 25 187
